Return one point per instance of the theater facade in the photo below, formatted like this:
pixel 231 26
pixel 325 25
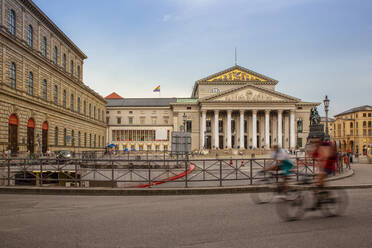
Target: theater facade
pixel 233 109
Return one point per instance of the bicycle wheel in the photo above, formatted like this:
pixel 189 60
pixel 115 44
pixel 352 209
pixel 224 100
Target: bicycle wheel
pixel 333 202
pixel 291 206
pixel 264 195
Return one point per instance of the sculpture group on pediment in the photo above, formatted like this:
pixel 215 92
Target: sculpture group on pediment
pixel 247 95
pixel 236 76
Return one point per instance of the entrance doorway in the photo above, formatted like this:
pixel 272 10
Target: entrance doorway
pixel 208 144
pixel 31 135
pixel 220 140
pixel 44 137
pixel 13 134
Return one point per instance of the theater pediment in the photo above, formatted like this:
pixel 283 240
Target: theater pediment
pixel 250 93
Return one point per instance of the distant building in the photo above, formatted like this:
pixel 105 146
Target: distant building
pixel 44 104
pixel 330 126
pixel 353 129
pixel 234 108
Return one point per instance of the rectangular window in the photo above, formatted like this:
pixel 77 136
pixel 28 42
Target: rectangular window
pixel 208 125
pixel 189 126
pixel 299 142
pixel 153 120
pixel 142 120
pixel 78 105
pixel 220 126
pixel 166 119
pixel 107 120
pixel 55 94
pixel 130 120
pixel 364 115
pixel 118 120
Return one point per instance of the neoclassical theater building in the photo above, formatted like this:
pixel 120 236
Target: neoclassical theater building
pixel 44 104
pixel 233 109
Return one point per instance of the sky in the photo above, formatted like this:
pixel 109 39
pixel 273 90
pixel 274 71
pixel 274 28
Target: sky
pixel 312 47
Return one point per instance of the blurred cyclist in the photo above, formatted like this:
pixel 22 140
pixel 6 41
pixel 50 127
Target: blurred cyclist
pixel 281 162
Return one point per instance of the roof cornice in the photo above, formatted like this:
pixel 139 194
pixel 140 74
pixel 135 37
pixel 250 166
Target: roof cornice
pixel 53 27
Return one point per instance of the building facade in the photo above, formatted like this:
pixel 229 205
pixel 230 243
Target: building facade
pixel 44 104
pixel 353 129
pixel 233 109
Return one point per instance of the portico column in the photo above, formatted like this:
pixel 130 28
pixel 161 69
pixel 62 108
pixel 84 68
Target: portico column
pixel 241 145
pixel 228 128
pixel 267 129
pixel 204 115
pixel 216 140
pixel 254 128
pixel 280 134
pixel 292 129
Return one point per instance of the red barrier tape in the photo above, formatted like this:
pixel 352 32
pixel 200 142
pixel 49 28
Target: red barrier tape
pixel 169 179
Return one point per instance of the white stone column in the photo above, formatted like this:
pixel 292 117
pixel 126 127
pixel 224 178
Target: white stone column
pixel 241 132
pixel 203 128
pixel 228 129
pixel 216 136
pixel 267 129
pixel 280 134
pixel 292 135
pixel 254 128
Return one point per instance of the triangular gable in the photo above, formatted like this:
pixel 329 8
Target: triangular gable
pixel 237 74
pixel 249 93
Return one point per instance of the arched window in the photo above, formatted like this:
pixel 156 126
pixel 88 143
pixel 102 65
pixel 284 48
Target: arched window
pixel 102 116
pixel 64 61
pixel 85 107
pixel 90 140
pixel 56 136
pixel 95 140
pixel 364 124
pixel 45 89
pixel 12 22
pixel 94 112
pixel 55 55
pixel 72 102
pixel 44 46
pixel 85 139
pixel 55 94
pixel 64 99
pixel 99 141
pixel 351 125
pixel 299 126
pixel 79 139
pixel 99 114
pixel 30 83
pixel 30 35
pixel 72 67
pixel 72 138
pixel 78 105
pixel 90 110
pixel 13 75
pixel 64 137
pixel 78 71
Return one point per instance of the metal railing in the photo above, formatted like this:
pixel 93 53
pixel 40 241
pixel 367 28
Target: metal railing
pixel 135 170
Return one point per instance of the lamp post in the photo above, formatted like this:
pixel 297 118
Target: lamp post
pixel 326 106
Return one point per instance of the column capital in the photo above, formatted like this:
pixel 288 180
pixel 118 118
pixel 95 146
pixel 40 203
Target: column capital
pixel 203 111
pixel 216 111
pixel 242 111
pixel 267 111
pixel 254 111
pixel 292 111
pixel 280 111
pixel 229 111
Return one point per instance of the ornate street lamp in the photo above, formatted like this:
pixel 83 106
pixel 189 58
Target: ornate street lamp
pixel 326 106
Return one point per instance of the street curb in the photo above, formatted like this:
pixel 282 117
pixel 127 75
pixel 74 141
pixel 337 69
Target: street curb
pixel 161 191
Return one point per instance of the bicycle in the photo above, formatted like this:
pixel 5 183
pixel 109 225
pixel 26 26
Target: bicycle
pixel 273 180
pixel 329 202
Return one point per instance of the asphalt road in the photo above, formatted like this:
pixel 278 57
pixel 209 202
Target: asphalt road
pixel 175 221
